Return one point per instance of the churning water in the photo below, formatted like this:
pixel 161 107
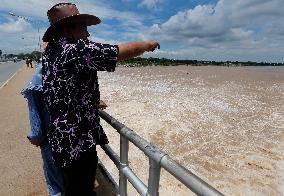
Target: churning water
pixel 225 124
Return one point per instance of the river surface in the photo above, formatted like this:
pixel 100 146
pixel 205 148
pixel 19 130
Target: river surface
pixel 225 124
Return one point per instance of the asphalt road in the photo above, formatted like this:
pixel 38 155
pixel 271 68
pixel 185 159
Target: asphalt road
pixel 8 69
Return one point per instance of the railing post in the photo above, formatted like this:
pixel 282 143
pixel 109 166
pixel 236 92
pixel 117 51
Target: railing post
pixel 154 178
pixel 124 147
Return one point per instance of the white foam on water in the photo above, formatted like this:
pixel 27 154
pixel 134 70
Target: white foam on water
pixel 223 129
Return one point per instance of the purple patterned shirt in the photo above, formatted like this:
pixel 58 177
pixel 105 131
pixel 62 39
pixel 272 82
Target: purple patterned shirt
pixel 71 93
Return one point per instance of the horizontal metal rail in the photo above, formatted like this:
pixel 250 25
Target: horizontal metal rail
pixel 135 181
pixel 157 159
pixel 111 154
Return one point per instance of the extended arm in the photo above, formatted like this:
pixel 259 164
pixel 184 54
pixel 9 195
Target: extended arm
pixel 134 49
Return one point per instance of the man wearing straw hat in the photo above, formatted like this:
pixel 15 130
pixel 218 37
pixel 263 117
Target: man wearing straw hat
pixel 71 92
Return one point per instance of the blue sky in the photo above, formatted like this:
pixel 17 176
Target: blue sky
pixel 237 30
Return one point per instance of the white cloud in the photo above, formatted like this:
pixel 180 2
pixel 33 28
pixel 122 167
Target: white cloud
pixel 103 40
pixel 36 10
pixel 150 4
pixel 30 8
pixel 231 29
pixel 19 36
pixel 235 25
pixel 17 26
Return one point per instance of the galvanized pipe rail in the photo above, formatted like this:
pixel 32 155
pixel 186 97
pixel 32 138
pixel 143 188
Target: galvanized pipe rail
pixel 157 159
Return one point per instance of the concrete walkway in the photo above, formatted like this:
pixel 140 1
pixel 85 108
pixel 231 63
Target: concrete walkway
pixel 20 162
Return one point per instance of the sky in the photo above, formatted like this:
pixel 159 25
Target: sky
pixel 219 30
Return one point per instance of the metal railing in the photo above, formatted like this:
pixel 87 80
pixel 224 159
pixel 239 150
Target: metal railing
pixel 157 159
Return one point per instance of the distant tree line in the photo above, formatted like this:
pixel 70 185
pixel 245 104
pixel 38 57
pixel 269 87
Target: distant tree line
pixel 140 62
pixel 35 55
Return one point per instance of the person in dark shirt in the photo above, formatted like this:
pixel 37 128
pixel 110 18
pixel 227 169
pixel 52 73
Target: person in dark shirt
pixel 27 61
pixel 71 92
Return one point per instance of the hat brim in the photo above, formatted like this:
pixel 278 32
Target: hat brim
pixel 80 18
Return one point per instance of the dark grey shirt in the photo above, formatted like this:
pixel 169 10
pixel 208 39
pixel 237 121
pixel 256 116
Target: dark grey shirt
pixel 71 93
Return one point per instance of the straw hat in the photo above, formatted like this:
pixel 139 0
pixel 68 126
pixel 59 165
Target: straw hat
pixel 66 13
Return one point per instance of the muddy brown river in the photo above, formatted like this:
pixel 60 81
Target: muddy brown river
pixel 225 124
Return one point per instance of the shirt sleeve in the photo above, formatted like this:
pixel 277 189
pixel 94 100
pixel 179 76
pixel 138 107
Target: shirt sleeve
pixel 36 132
pixel 96 56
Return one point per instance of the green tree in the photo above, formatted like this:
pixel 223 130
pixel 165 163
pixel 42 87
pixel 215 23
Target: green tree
pixel 9 56
pixel 21 56
pixel 36 55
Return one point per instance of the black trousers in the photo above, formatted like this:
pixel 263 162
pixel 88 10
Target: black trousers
pixel 79 177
